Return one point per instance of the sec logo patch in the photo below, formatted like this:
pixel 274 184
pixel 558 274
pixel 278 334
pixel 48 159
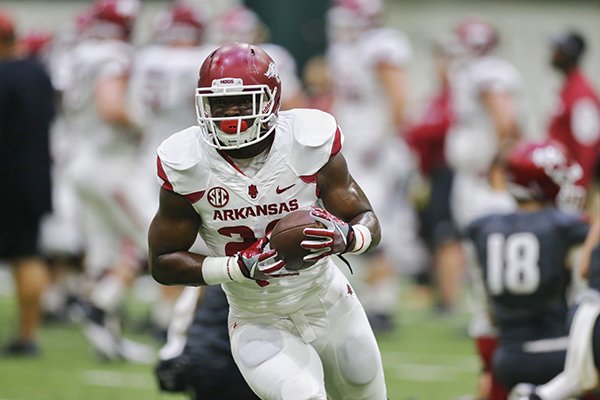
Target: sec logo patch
pixel 218 197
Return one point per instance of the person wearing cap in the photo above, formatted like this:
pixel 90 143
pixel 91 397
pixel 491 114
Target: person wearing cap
pixel 26 113
pixel 576 118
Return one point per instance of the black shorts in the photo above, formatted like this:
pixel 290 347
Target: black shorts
pixel 19 235
pixel 437 224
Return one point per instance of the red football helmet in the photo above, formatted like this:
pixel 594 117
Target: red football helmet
pixel 114 17
pixel 35 43
pixel 544 170
pixel 236 24
pixel 179 23
pixel 348 18
pixel 7 26
pixel 239 70
pixel 477 36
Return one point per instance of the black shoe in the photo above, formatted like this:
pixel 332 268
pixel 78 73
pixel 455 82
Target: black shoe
pixel 22 348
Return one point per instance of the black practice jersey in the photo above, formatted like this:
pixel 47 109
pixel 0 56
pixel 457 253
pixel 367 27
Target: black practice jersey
pixel 208 333
pixel 594 269
pixel 523 261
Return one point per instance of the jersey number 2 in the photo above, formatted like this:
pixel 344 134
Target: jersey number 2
pixel 512 263
pixel 245 233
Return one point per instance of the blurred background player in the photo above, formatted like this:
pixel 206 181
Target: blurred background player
pixel 26 113
pixel 317 81
pixel 576 119
pixel 525 263
pixel 427 139
pixel 486 122
pixel 107 143
pixel 61 234
pixel 368 66
pixel 163 104
pixel 485 91
pixel 238 23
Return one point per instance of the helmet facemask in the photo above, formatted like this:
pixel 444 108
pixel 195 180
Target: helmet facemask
pixel 237 131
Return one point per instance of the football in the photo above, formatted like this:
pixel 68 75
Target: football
pixel 287 236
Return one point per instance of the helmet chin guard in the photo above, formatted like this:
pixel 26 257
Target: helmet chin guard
pixel 238 70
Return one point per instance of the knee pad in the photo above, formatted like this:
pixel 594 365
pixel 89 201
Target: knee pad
pixel 258 345
pixel 359 362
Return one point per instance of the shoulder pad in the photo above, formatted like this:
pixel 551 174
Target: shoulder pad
pixel 181 151
pixel 313 128
pixel 314 138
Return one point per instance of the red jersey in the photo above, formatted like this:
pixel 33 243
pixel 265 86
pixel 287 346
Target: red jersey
pixel 576 123
pixel 427 138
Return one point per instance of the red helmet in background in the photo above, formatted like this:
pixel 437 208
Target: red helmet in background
pixel 545 170
pixel 476 36
pixel 112 18
pixel 238 69
pixel 179 23
pixel 35 43
pixel 369 11
pixel 7 27
pixel 348 18
pixel 236 24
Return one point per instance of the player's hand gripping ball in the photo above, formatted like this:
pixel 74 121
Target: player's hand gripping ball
pixel 287 236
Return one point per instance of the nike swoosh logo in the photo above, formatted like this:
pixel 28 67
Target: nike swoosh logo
pixel 279 190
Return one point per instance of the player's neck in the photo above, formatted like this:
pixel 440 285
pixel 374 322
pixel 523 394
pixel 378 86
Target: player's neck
pixel 252 151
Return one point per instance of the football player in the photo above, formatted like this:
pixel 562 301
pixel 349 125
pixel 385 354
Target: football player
pixel 293 334
pixel 484 90
pixel 106 141
pixel 426 138
pixel 27 110
pixel 523 256
pixel 162 103
pixel 576 120
pixel 368 63
pixel 579 377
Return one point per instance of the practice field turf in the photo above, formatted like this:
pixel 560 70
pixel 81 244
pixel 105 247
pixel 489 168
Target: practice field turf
pixel 427 358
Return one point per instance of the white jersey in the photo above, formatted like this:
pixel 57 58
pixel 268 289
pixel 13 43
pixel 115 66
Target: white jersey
pixel 237 209
pixel 162 89
pixel 472 142
pixel 89 62
pixel 359 105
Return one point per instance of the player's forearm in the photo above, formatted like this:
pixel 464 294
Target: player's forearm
pixel 178 268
